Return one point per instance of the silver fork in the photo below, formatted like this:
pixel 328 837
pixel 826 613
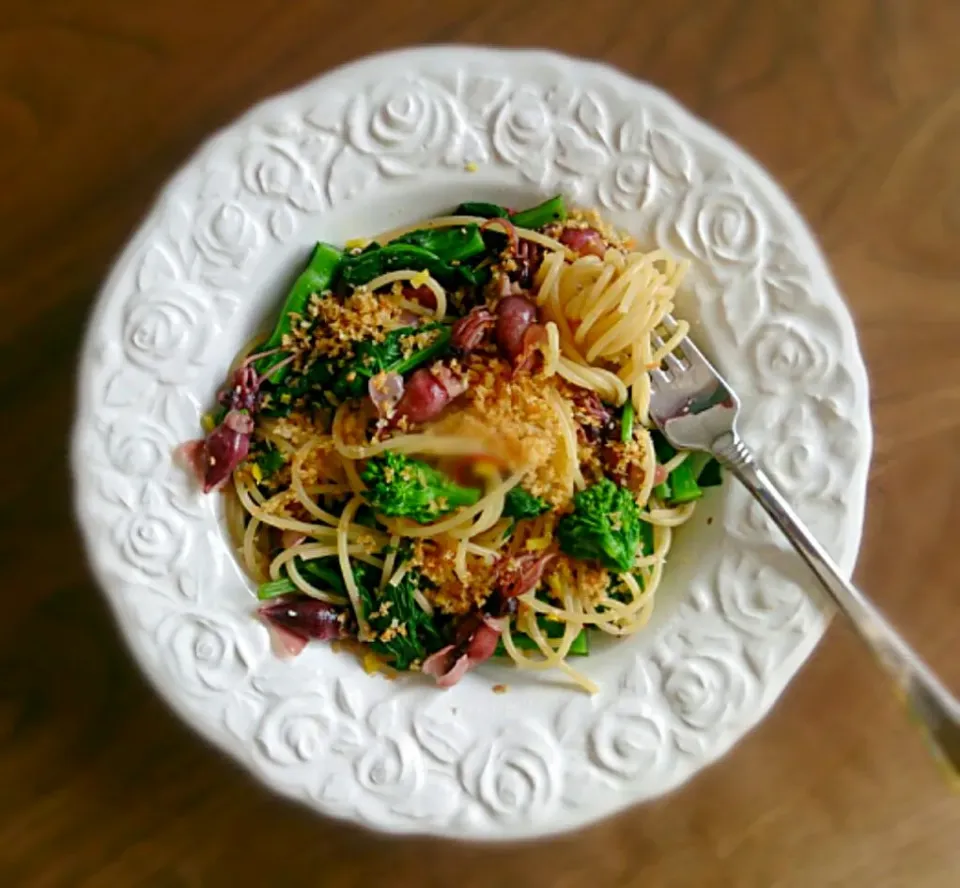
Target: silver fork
pixel 697 410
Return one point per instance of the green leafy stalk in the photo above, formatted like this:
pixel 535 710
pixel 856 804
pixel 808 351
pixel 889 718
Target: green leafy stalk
pixel 706 469
pixel 402 631
pixel 552 629
pixel 617 588
pixel 449 244
pixel 324 572
pixel 288 393
pixel 683 485
pixel 371 358
pixel 276 588
pixel 408 488
pixel 317 277
pixel 604 526
pixel 662 447
pixel 520 503
pixel 552 210
pixel 476 277
pixel 365 517
pixel 321 572
pixel 363 268
pixel 626 422
pixel 479 208
pixel 646 543
pixel 665 452
pixel 434 350
pixel 711 474
pixel 270 460
pixel 663 491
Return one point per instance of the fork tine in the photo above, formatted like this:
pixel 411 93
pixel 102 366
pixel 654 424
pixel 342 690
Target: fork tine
pixel 659 380
pixel 686 346
pixel 691 407
pixel 671 360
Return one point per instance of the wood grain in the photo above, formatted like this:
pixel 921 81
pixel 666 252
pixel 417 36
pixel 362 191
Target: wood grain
pixel 853 104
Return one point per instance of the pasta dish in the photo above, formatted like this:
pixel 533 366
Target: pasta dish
pixel 442 451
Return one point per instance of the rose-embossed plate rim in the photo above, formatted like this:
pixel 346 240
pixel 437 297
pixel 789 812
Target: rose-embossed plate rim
pixel 541 759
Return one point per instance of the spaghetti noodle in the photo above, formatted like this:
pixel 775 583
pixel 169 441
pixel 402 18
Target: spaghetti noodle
pixel 444 452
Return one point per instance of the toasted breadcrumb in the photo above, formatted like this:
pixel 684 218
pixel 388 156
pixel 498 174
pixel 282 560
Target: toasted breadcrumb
pixel 332 325
pixel 590 580
pixel 417 342
pixel 450 595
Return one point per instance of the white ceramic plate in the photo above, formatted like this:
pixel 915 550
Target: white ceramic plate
pixel 388 140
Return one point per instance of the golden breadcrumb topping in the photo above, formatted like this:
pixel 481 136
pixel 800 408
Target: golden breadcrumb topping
pixel 590 579
pixel 332 326
pixel 436 561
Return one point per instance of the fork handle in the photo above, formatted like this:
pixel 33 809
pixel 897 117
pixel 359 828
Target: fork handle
pixel 937 711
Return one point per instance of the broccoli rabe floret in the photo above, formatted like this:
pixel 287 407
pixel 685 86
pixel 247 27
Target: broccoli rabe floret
pixel 604 526
pixel 407 488
pixel 520 503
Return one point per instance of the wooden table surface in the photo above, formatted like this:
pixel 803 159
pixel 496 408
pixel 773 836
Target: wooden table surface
pixel 853 104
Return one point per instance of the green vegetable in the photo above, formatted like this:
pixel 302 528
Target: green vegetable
pixel 710 475
pixel 520 503
pixel 435 349
pixel 665 452
pixel 286 395
pixel 449 244
pixel 662 447
pixel 394 607
pixel 276 588
pixel 479 208
pixel 552 210
pixel 663 491
pixel 384 611
pixel 270 460
pixel 315 278
pixel 683 485
pixel 363 268
pixel 324 572
pixel 366 518
pixel 580 646
pixel 706 469
pixel 476 277
pixel 604 526
pixel 371 358
pixel 617 588
pixel 626 422
pixel 402 487
pixel 646 543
